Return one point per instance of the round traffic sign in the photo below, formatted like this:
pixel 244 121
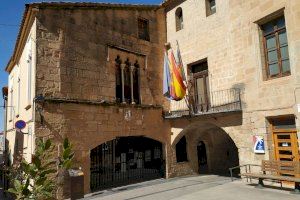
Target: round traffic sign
pixel 20 124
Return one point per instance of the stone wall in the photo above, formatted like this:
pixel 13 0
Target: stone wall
pixel 76 54
pixel 76 61
pixel 230 41
pixel 88 126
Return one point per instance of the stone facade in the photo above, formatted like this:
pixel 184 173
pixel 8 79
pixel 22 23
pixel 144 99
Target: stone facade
pixel 76 61
pixel 231 42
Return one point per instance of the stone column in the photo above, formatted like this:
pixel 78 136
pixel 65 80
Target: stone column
pixel 123 82
pixel 131 83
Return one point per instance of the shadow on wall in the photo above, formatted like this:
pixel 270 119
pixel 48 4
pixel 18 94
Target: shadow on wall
pixel 221 152
pixel 225 119
pixel 19 145
pixel 241 87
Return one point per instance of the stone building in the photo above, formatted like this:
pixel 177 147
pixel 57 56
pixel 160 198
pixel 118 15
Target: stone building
pixel 236 52
pixel 96 80
pixel 93 72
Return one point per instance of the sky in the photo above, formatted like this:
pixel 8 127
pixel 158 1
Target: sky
pixel 11 12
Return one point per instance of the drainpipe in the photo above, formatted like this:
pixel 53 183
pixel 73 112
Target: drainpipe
pixel 4 95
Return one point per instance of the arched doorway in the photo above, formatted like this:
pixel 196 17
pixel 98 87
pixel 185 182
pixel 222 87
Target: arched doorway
pixel 210 150
pixel 216 150
pixel 202 158
pixel 125 160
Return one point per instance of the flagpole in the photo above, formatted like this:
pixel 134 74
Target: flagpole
pixel 187 87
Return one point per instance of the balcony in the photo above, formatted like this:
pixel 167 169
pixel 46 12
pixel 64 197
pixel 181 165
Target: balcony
pixel 215 102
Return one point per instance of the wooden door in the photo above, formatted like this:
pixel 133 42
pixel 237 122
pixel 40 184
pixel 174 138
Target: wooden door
pixel 201 92
pixel 286 145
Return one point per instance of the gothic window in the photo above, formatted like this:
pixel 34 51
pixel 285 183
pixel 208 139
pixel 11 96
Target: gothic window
pixel 127 84
pixel 127 81
pixel 118 62
pixel 143 29
pixel 179 19
pixel 181 154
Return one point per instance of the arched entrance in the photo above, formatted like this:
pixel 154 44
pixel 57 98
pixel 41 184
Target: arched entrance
pixel 125 160
pixel 210 150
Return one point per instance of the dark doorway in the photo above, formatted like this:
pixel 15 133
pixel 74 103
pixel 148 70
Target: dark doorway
pixel 201 86
pixel 125 160
pixel 202 158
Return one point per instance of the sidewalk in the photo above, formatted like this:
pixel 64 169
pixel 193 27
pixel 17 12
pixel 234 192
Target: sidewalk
pixel 208 187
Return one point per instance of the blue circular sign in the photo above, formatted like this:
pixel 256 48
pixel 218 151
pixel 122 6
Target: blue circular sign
pixel 20 124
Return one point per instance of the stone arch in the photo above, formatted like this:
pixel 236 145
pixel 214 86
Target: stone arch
pixel 222 151
pixel 125 160
pixel 204 126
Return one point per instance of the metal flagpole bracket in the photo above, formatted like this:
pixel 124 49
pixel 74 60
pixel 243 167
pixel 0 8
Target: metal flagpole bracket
pixel 167 46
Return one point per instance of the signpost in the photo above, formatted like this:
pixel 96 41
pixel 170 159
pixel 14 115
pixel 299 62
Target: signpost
pixel 20 125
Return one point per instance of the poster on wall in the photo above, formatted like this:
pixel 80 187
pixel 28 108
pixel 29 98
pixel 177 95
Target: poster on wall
pixel 123 157
pixel 147 155
pixel 259 144
pixel 156 153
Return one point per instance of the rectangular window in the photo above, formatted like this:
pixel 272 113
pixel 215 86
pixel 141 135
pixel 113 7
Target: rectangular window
pixel 276 48
pixel 11 100
pixel 11 105
pixel 19 97
pixel 29 73
pixel 210 7
pixel 143 29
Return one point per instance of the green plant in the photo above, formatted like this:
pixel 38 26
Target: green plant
pixel 21 191
pixel 65 162
pixel 37 180
pixel 42 170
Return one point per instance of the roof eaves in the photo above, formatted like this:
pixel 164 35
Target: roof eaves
pixel 22 27
pixel 93 5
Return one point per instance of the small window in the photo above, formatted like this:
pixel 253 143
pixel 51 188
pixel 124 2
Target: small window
pixel 11 100
pixel 181 154
pixel 210 7
pixel 276 53
pixel 199 67
pixel 179 19
pixel 29 73
pixel 143 29
pixel 19 97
